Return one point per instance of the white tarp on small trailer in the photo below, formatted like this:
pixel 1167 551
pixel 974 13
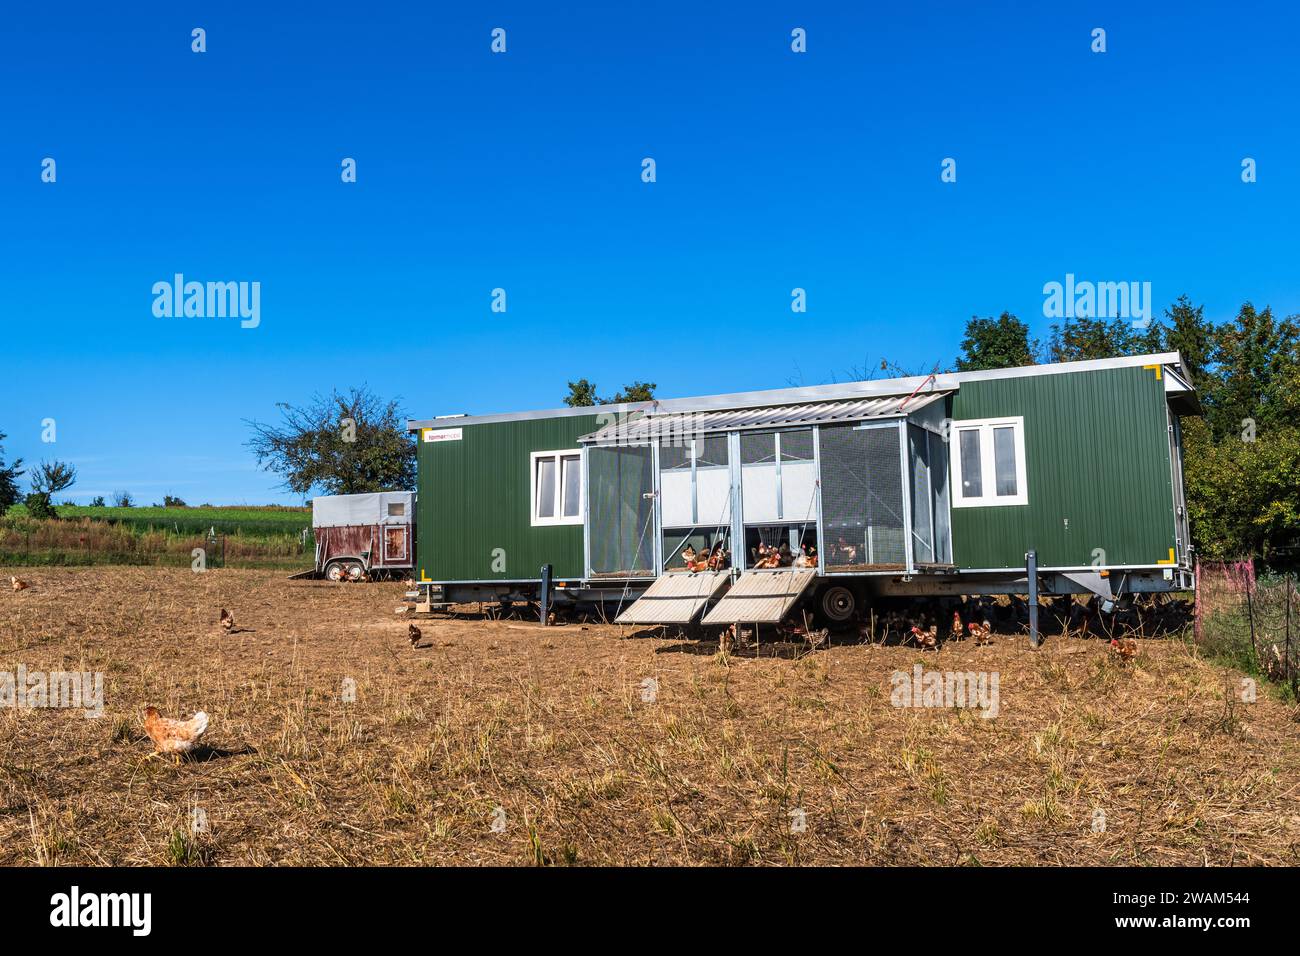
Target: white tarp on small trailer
pixel 381 507
pixel 675 598
pixel 761 597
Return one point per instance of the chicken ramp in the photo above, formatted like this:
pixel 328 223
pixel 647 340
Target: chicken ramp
pixel 675 598
pixel 761 597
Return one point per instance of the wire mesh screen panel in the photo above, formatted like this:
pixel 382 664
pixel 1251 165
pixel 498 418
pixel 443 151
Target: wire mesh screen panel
pixel 940 499
pixel 676 491
pixel 758 476
pixel 797 445
pixel 712 482
pixel 862 498
pixel 620 520
pixel 922 529
pixel 798 476
pixel 695 482
pixel 757 448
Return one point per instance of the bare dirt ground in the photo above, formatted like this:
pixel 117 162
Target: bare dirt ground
pixel 498 742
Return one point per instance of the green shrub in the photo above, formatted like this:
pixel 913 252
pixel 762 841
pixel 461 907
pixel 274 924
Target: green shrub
pixel 38 506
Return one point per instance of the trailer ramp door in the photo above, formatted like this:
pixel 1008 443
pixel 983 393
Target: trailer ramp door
pixel 761 597
pixel 675 598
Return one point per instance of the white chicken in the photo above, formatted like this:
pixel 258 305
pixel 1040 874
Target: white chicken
pixel 174 737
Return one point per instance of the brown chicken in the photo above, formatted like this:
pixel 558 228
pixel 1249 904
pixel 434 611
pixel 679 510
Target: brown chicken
pixel 18 585
pixel 413 633
pixel 792 630
pixel 173 737
pixel 701 561
pixel 806 558
pixel 926 640
pixel 958 628
pixel 981 632
pixel 227 620
pixel 718 560
pixel 726 639
pixel 1126 649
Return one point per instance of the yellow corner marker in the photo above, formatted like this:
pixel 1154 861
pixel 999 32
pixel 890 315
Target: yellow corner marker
pixel 1172 559
pixel 1159 371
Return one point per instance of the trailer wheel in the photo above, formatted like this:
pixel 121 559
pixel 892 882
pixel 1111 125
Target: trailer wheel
pixel 344 570
pixel 837 604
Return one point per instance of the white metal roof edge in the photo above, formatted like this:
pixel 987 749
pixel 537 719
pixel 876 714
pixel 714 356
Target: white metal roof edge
pixel 878 388
pixel 655 421
pixel 622 408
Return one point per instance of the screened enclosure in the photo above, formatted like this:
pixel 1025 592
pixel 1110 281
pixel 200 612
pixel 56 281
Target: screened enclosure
pixel 864 494
pixel 862 497
pixel 620 503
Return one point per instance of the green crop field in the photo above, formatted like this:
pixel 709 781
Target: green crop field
pixel 254 522
pixel 271 536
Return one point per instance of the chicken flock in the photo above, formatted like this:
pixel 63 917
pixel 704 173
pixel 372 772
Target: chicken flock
pixel 716 557
pixel 177 738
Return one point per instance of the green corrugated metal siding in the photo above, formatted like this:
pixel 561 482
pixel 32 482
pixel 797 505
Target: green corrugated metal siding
pixel 474 500
pixel 1097 450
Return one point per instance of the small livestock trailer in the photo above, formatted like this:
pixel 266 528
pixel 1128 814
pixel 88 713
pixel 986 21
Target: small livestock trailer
pixel 1057 479
pixel 366 535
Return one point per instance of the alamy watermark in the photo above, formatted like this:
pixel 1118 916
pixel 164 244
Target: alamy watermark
pixel 80 690
pixel 208 300
pixel 920 688
pixel 1104 300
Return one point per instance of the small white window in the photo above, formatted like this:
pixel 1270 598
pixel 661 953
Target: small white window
pixel 556 487
pixel 397 509
pixel 989 467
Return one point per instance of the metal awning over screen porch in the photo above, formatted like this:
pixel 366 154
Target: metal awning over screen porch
pixel 651 426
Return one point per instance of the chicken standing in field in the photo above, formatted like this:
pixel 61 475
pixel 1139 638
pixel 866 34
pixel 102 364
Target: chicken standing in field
pixel 173 737
pixel 958 628
pixel 981 632
pixel 926 640
pixel 1126 649
pixel 227 621
pixel 18 585
pixel 413 633
pixel 726 640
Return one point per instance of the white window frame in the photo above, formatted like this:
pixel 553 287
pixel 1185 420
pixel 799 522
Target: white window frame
pixel 560 518
pixel 988 467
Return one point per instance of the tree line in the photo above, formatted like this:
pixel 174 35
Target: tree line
pixel 1242 459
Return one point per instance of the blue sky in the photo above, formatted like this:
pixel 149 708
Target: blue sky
pixel 522 171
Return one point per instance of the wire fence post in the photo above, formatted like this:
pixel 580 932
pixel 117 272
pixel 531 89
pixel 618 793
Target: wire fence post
pixel 1250 616
pixel 1289 671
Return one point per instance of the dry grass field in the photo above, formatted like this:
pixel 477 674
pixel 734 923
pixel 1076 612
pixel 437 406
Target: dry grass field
pixel 550 726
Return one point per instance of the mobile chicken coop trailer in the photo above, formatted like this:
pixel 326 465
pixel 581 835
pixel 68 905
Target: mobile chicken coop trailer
pixel 364 535
pixel 1059 479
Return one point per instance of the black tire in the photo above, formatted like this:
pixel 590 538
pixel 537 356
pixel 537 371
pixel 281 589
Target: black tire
pixel 836 605
pixel 344 569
